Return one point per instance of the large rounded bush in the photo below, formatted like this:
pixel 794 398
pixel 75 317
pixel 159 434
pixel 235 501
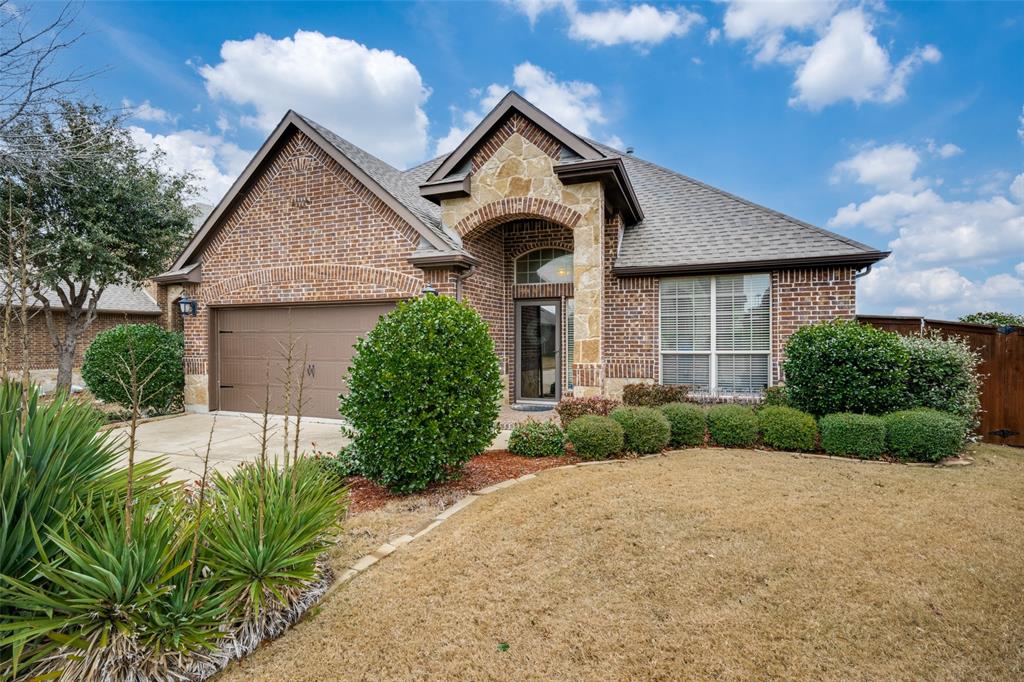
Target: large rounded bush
pixel 423 393
pixel 595 437
pixel 156 355
pixel 732 425
pixel 923 434
pixel 537 439
pixel 688 423
pixel 845 366
pixel 645 429
pixel 857 435
pixel 786 428
pixel 943 375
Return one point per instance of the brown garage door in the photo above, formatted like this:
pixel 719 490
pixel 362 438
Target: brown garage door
pixel 247 339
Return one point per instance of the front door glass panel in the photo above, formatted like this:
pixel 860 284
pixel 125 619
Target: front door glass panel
pixel 538 351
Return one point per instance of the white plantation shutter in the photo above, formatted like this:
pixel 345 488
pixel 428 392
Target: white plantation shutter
pixel 570 338
pixel 716 332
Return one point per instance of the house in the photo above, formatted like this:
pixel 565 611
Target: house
pixel 592 267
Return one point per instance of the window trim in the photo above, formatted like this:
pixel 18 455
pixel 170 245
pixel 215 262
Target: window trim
pixel 524 254
pixel 713 352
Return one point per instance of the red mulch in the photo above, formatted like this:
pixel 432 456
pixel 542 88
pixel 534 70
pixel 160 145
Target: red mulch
pixel 481 471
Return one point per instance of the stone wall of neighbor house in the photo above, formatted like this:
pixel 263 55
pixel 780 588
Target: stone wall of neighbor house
pixel 805 296
pixel 514 178
pixel 42 356
pixel 306 230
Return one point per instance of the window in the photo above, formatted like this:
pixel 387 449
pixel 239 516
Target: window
pixel 543 266
pixel 716 332
pixel 570 338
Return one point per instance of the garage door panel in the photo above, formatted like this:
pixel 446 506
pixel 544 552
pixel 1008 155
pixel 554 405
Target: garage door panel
pixel 249 338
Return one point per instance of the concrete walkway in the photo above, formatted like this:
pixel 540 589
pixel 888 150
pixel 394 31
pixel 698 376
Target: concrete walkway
pixel 182 440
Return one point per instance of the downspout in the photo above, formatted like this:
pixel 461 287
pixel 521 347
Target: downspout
pixel 865 271
pixel 458 281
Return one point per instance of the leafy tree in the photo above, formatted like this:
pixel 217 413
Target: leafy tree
pixel 111 217
pixel 996 318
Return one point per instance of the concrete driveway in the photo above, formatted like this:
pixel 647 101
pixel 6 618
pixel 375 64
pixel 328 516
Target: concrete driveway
pixel 182 440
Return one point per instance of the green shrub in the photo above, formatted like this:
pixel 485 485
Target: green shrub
pixel 860 435
pixel 339 466
pixel 996 318
pixel 786 428
pixel 688 423
pixel 732 425
pixel 571 408
pixel 943 375
pixel 156 354
pixel 776 396
pixel 844 366
pixel 653 395
pixel 424 389
pixel 923 434
pixel 537 439
pixel 645 429
pixel 595 437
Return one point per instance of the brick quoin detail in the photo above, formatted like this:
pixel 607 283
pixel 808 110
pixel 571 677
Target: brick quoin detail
pixel 514 208
pixel 515 124
pixel 314 273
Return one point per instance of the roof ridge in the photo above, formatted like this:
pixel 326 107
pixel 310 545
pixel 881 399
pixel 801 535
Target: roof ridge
pixel 795 221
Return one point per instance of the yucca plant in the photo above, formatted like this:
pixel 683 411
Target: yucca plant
pixel 267 528
pixel 112 607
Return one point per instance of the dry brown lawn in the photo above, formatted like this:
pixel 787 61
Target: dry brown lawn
pixel 700 564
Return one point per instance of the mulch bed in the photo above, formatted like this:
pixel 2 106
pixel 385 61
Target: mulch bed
pixel 483 470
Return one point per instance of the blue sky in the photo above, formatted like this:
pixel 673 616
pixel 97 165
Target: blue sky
pixel 900 124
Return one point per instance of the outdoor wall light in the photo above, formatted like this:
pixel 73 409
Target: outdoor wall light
pixel 430 290
pixel 188 306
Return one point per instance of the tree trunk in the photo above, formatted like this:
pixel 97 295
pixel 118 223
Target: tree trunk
pixel 65 365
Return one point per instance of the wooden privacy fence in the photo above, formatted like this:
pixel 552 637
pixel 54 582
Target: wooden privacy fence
pixel 1002 363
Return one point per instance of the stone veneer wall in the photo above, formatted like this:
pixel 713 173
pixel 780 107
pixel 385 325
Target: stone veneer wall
pixel 306 231
pixel 514 178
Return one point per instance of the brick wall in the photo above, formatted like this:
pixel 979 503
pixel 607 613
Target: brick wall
pixel 805 296
pixel 630 321
pixel 41 354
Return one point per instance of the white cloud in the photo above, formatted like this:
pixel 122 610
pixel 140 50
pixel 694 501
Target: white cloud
pixel 147 112
pixel 1017 188
pixel 889 167
pixel 844 61
pixel 574 104
pixel 215 162
pixel 848 63
pixel 714 34
pixel 941 292
pixel 943 151
pixel 371 97
pixel 1019 269
pixel 641 25
pixel 1020 125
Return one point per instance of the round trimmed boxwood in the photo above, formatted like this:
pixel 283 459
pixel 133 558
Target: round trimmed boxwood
pixel 537 439
pixel 423 394
pixel 595 437
pixel 860 435
pixel 787 428
pixel 923 434
pixel 732 425
pixel 844 366
pixel 157 355
pixel 687 422
pixel 646 429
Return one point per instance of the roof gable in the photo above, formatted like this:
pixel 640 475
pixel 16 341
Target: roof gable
pixel 390 185
pixel 511 103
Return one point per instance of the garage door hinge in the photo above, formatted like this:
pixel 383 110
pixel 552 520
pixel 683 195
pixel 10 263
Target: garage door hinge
pixel 224 331
pixel 227 385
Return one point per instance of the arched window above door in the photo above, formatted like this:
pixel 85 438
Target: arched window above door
pixel 544 266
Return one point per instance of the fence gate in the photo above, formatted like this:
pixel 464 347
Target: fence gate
pixel 1002 363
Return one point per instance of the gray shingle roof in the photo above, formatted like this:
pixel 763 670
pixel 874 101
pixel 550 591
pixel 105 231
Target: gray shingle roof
pixel 115 299
pixel 689 223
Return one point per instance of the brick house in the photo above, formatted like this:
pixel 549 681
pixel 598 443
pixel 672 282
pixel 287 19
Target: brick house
pixel 592 267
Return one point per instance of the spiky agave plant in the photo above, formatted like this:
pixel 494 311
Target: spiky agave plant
pixel 113 607
pixel 263 543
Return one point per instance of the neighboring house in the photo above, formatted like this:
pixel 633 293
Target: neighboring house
pixel 592 267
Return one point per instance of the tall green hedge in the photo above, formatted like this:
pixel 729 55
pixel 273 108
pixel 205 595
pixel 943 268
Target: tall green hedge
pixel 844 366
pixel 157 356
pixel 424 387
pixel 943 375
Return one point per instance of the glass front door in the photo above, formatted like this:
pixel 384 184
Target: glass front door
pixel 538 341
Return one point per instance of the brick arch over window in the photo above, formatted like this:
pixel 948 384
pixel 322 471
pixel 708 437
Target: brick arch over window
pixel 312 273
pixel 516 208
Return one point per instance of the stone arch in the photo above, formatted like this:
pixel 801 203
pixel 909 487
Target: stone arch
pixel 312 273
pixel 516 208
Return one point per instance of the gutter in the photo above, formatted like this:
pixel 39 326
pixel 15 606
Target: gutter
pixel 864 260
